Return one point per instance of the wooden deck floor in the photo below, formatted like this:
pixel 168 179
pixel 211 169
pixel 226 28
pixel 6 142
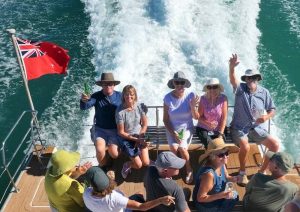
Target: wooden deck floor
pixel 32 196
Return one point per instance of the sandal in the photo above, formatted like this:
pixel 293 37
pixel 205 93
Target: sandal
pixel 125 170
pixel 189 178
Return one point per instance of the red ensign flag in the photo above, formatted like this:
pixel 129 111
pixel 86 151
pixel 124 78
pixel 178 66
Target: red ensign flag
pixel 42 58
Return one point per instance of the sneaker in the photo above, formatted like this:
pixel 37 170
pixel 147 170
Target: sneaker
pixel 189 178
pixel 125 170
pixel 242 180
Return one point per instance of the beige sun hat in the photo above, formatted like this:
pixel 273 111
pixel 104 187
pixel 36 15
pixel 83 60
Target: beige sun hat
pixel 107 78
pixel 216 145
pixel 179 76
pixel 213 81
pixel 250 73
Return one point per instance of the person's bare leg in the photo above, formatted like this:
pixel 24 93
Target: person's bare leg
pixel 136 162
pixel 186 156
pixel 113 151
pixel 244 150
pixel 100 151
pixel 145 157
pixel 273 145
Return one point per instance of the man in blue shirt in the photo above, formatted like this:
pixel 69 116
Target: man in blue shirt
pixel 104 131
pixel 253 108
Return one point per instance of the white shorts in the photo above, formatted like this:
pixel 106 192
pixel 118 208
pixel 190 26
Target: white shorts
pixel 187 139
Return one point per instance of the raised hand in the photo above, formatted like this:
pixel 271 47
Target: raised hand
pixel 80 170
pixel 233 61
pixel 83 168
pixel 85 97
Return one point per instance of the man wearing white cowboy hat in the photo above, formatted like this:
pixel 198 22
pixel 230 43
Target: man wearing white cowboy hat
pixel 63 191
pixel 253 107
pixel 104 132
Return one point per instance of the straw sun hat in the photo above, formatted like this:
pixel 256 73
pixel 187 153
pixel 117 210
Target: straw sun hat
pixel 216 145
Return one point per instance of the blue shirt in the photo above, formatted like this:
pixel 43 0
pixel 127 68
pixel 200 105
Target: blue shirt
pixel 249 106
pixel 105 107
pixel 219 183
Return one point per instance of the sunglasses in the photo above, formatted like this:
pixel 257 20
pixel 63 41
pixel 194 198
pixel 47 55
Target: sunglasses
pixel 209 87
pixel 222 155
pixel 251 78
pixel 108 84
pixel 179 82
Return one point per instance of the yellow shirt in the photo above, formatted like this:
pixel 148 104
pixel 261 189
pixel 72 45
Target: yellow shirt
pixel 64 193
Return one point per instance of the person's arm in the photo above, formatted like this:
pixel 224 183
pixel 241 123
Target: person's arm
pixel 134 205
pixel 266 117
pixel 224 116
pixel 144 123
pixel 206 185
pixel 80 170
pixel 166 120
pixel 230 178
pixel 233 62
pixel 194 102
pixel 86 102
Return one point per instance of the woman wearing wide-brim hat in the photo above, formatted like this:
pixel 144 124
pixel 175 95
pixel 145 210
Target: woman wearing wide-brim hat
pixel 179 111
pixel 211 178
pixel 212 112
pixel 104 131
pixel 63 190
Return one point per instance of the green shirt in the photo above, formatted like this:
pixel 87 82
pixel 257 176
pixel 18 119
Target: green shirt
pixel 64 193
pixel 263 193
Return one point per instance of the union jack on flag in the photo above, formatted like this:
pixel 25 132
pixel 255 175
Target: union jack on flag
pixel 40 58
pixel 29 49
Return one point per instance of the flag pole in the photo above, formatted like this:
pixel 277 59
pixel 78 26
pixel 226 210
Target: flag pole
pixel 22 67
pixel 35 122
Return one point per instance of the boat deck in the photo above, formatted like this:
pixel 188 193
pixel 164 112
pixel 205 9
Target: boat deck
pixel 32 196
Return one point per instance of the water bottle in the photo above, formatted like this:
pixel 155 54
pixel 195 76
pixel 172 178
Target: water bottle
pixel 181 134
pixel 87 89
pixel 230 187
